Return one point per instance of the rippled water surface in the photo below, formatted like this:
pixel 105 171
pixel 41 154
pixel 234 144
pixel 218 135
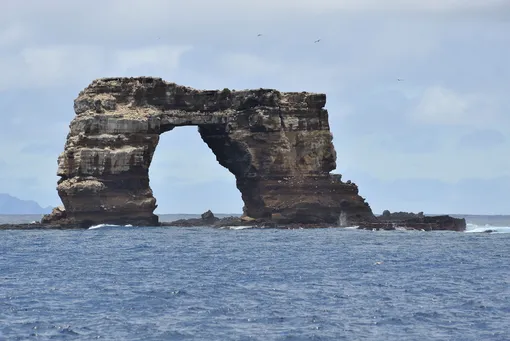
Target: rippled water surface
pixel 210 284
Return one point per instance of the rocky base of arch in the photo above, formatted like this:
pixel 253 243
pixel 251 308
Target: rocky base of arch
pixel 285 201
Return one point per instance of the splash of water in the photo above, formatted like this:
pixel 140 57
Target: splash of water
pixel 473 228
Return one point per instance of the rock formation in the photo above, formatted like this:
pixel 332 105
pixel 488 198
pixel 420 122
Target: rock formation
pixel 206 219
pixel 388 221
pixel 277 145
pixel 413 221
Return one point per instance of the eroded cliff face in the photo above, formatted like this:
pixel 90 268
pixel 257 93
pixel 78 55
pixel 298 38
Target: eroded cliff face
pixel 277 145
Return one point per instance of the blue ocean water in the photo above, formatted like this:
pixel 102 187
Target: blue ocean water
pixel 125 283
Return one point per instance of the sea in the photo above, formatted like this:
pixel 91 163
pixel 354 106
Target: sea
pixel 204 283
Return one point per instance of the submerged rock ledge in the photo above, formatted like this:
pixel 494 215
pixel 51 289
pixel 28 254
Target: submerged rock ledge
pixel 441 223
pixel 278 145
pixel 419 222
pixel 400 220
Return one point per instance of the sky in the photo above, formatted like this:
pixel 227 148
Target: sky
pixel 437 142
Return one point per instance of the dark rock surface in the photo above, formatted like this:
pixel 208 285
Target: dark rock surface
pixel 407 221
pixel 399 216
pixel 277 145
pixel 206 219
pixel 413 221
pixel 239 221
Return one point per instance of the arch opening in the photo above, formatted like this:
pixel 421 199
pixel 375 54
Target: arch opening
pixel 186 178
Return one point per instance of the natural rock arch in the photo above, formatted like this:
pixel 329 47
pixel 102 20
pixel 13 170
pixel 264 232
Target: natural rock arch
pixel 277 145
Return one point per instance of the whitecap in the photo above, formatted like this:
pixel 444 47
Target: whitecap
pixel 473 228
pixel 94 227
pixel 350 227
pixel 240 227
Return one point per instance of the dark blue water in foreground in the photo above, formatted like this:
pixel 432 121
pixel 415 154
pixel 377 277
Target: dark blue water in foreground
pixel 210 284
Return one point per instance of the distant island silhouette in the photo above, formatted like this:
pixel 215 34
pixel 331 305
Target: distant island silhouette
pixel 12 205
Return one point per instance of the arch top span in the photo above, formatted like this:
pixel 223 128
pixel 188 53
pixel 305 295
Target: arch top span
pixel 277 144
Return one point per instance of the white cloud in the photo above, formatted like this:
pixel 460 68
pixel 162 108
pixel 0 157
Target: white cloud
pixel 249 65
pixel 61 65
pixel 12 35
pixel 113 47
pixel 178 21
pixel 439 105
pixel 286 75
pixel 128 8
pixel 401 6
pixel 165 58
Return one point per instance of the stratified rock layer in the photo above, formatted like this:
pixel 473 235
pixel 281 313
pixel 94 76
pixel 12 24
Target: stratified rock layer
pixel 277 145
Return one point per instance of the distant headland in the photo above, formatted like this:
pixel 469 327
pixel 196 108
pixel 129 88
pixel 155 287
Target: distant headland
pixel 278 145
pixel 12 205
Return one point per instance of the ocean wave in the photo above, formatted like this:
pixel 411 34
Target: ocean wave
pixel 473 228
pixel 94 227
pixel 246 227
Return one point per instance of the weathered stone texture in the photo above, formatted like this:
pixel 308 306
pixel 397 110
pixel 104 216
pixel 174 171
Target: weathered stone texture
pixel 277 145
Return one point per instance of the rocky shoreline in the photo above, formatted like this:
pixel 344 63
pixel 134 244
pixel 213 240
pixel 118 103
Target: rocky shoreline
pixel 386 222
